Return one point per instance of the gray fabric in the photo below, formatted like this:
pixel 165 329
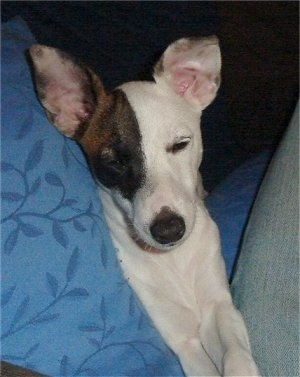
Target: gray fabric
pixel 266 283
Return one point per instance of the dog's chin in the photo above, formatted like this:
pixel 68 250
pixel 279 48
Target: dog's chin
pixel 154 247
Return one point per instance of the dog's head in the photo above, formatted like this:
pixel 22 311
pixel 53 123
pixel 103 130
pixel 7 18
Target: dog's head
pixel 142 140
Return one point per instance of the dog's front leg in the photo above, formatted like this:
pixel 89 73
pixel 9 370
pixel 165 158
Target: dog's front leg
pixel 224 336
pixel 177 323
pixel 222 332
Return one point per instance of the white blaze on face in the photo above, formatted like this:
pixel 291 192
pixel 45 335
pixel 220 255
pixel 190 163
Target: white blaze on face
pixel 168 112
pixel 171 177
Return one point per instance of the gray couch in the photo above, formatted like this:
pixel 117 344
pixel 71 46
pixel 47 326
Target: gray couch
pixel 266 283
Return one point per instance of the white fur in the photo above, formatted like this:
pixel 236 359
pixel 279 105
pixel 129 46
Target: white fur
pixel 184 290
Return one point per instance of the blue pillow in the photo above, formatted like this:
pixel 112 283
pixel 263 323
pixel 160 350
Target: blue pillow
pixel 230 203
pixel 66 309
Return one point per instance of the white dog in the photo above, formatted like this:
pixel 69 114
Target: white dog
pixel 143 144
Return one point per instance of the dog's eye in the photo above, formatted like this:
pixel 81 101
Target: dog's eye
pixel 179 145
pixel 114 162
pixel 116 166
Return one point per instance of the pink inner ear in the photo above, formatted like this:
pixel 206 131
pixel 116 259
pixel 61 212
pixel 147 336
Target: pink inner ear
pixel 68 109
pixel 183 79
pixel 192 82
pixel 76 107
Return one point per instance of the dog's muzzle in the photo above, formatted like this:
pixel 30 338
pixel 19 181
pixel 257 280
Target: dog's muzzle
pixel 167 227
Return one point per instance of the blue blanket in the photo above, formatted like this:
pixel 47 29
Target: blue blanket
pixel 66 309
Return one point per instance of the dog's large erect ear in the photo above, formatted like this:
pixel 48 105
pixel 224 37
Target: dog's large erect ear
pixel 67 90
pixel 191 67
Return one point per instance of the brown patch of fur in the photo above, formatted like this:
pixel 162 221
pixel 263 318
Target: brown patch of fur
pixel 110 119
pixel 112 143
pixel 104 124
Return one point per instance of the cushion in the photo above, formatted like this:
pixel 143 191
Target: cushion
pixel 66 309
pixel 230 202
pixel 266 283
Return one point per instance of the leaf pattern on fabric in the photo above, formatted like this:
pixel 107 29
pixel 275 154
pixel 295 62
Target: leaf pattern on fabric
pixel 11 241
pixel 7 295
pixel 11 196
pixel 66 308
pixel 24 358
pixel 64 366
pixel 66 216
pixel 101 338
pixel 34 156
pixel 52 284
pixel 21 217
pixel 57 294
pixel 73 264
pixel 60 234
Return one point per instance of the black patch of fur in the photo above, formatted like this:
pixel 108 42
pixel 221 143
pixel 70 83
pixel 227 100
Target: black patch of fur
pixel 121 164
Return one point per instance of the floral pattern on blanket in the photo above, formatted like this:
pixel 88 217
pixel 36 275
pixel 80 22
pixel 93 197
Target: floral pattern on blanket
pixel 63 213
pixel 66 308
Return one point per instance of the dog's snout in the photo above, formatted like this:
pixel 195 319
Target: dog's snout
pixel 167 227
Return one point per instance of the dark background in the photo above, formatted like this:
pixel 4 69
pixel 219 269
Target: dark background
pixel 260 42
pixel 122 40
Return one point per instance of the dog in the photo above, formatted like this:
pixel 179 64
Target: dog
pixel 143 145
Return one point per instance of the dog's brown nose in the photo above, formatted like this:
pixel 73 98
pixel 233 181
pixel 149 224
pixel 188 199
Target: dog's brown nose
pixel 167 227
